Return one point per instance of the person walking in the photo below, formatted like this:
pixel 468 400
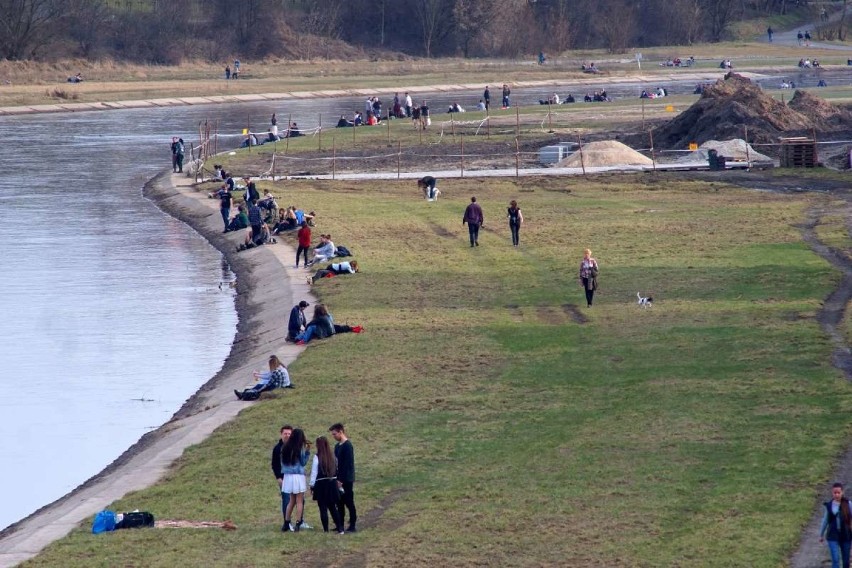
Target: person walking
pixel 294 457
pixel 589 276
pixel 274 122
pixel 174 146
pixel 516 219
pixel 474 218
pixel 506 92
pixel 227 72
pixel 769 33
pixel 487 97
pixel 800 38
pixel 836 527
pixel 324 485
pixel 345 454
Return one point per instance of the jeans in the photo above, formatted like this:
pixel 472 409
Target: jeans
pixel 307 334
pixel 515 229
pixel 347 501
pixel 302 250
pixel 506 101
pixel 839 552
pixel 226 216
pixel 473 229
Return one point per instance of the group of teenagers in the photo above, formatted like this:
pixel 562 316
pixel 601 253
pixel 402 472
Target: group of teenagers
pixel 332 476
pixel 332 473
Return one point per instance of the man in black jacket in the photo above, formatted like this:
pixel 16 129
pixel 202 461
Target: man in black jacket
pixel 345 454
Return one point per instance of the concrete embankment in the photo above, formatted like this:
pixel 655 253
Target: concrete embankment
pixel 266 290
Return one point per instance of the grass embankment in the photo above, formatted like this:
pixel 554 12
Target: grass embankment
pixel 498 421
pixel 29 83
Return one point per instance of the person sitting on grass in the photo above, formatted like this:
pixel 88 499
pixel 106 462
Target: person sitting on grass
pixel 322 325
pixel 343 122
pixel 325 251
pixel 335 269
pixel 240 220
pixel 287 221
pixel 256 236
pixel 297 321
pixel 277 377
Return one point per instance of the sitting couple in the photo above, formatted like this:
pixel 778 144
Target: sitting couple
pixel 321 326
pixel 276 377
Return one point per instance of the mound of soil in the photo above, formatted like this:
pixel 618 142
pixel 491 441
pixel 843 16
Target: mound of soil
pixel 733 103
pixel 605 153
pixel 823 115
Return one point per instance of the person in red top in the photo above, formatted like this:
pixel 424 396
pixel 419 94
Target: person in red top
pixel 304 236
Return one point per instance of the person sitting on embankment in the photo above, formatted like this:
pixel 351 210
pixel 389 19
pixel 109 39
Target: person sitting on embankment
pixel 276 377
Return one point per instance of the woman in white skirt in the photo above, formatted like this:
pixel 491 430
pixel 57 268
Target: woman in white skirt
pixel 294 457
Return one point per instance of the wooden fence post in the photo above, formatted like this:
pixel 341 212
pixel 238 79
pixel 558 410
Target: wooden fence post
pixel 517 157
pixel 582 160
pixel 462 154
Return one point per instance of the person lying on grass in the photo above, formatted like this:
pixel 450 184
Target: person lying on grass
pixel 335 269
pixel 322 325
pixel 276 377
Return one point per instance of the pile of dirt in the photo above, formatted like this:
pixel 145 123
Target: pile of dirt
pixel 605 153
pixel 824 115
pixel 726 108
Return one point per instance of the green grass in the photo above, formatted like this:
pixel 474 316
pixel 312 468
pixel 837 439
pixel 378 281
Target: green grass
pixel 492 429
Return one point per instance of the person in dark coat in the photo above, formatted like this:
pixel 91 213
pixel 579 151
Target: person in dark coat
pixel 324 485
pixel 297 322
pixel 474 219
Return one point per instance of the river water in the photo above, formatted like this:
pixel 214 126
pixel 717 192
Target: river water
pixel 113 313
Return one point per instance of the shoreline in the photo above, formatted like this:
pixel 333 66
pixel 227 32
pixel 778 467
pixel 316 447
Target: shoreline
pixel 699 76
pixel 267 287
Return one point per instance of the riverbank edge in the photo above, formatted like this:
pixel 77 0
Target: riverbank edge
pixel 267 287
pixel 697 76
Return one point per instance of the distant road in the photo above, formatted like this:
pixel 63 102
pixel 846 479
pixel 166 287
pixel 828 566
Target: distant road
pixel 790 37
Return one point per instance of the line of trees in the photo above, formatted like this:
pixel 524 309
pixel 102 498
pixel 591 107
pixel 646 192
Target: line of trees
pixel 168 31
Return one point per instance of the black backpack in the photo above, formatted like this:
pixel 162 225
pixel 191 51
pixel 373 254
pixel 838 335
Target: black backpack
pixel 135 520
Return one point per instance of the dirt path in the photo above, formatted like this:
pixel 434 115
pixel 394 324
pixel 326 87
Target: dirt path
pixel 810 552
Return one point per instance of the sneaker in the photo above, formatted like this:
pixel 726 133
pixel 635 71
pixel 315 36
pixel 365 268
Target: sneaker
pixel 300 342
pixel 351 529
pixel 239 394
pixel 306 526
pixel 296 527
pixel 286 527
pixel 357 329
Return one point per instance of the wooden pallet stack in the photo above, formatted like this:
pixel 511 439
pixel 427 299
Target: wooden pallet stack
pixel 799 152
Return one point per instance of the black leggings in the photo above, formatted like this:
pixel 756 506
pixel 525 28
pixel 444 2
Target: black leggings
pixel 590 294
pixel 515 229
pixel 299 251
pixel 325 507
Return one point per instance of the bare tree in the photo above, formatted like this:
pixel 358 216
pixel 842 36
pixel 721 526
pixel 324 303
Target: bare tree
pixel 435 19
pixel 85 21
pixel 26 26
pixel 618 24
pixel 472 17
pixel 719 14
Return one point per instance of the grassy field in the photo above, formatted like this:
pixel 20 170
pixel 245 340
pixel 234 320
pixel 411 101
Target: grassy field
pixel 498 421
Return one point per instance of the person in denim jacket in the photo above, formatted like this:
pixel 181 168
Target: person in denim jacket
pixel 294 457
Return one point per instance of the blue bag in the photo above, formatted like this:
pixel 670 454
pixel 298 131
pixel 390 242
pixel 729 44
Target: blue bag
pixel 104 522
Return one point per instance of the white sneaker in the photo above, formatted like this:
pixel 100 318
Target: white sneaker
pixel 306 526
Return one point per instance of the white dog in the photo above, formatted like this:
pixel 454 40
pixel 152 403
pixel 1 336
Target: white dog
pixel 645 302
